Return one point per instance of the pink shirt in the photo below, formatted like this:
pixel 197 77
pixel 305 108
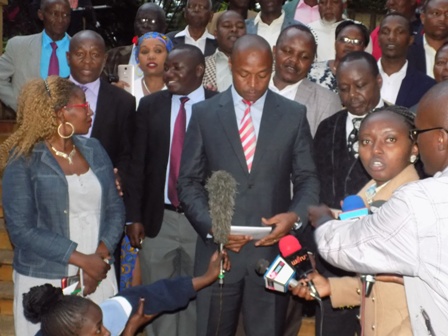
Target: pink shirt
pixel 306 14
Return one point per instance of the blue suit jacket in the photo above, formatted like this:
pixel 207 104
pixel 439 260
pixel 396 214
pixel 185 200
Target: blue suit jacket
pixel 413 87
pixel 416 54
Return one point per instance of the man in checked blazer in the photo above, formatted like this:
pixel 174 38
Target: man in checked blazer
pixel 28 57
pixel 230 26
pixel 294 53
pixel 283 154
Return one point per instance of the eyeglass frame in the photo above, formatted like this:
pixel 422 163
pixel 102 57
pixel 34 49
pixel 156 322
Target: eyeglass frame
pixel 414 133
pixel 86 106
pixel 348 40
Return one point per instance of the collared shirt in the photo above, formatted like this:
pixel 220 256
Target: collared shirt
pixel 305 13
pixel 289 91
pixel 223 73
pixel 200 42
pixel 349 124
pixel 269 32
pixel 91 91
pixel 430 55
pixel 406 236
pixel 61 53
pixel 391 84
pixel 256 110
pixel 196 96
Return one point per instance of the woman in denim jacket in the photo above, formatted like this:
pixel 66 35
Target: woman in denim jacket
pixel 62 209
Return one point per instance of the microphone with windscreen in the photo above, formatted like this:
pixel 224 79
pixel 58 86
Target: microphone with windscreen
pixel 221 187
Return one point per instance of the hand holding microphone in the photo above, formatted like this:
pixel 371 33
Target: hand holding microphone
pixel 221 187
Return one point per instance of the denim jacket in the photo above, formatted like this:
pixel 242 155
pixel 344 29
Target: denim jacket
pixel 36 206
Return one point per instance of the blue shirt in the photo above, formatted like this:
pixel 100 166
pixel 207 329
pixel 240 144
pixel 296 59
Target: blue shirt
pixel 61 53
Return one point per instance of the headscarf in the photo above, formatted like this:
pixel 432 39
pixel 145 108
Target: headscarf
pixel 161 37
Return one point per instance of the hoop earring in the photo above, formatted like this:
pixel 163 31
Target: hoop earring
pixel 66 136
pixel 413 158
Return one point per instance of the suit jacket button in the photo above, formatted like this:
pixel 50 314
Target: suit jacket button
pixel 250 185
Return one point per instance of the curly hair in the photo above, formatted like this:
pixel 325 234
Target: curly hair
pixel 59 314
pixel 36 118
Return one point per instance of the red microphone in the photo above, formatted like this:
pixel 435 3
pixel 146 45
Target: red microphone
pixel 299 259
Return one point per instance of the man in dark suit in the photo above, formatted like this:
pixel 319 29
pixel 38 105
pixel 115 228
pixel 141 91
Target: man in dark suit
pixel 149 18
pixel 402 84
pixel 277 150
pixel 198 13
pixel 422 52
pixel 340 171
pixel 152 206
pixel 113 107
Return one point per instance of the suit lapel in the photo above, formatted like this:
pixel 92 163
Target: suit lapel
pixel 405 87
pixel 227 117
pixel 35 48
pixel 100 109
pixel 303 93
pixel 268 125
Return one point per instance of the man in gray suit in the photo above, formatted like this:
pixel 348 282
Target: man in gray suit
pixel 31 56
pixel 270 21
pixel 278 152
pixel 294 54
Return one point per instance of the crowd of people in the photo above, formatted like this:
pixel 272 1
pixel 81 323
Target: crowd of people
pixel 105 176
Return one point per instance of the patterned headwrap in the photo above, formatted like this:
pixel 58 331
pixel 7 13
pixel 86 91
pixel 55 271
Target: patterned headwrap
pixel 162 38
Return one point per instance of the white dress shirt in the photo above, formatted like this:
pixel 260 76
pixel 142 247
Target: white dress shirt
pixel 269 32
pixel 289 91
pixel 200 42
pixel 430 55
pixel 391 84
pixel 223 73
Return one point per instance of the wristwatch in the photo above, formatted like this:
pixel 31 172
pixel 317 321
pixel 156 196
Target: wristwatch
pixel 297 225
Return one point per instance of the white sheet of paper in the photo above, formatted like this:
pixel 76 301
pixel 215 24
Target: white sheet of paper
pixel 257 232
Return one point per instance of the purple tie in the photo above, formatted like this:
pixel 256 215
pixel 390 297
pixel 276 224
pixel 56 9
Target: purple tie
pixel 176 151
pixel 53 68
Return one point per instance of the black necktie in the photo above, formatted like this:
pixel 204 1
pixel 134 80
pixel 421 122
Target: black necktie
pixel 352 142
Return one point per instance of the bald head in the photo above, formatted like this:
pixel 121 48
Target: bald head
pixel 432 106
pixel 85 35
pixel 251 43
pixel 431 123
pixel 86 56
pixel 251 64
pixel 149 18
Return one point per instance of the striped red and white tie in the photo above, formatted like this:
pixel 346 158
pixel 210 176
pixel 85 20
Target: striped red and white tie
pixel 247 135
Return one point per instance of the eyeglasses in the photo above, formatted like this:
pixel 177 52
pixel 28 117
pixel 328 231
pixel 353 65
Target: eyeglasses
pixel 348 40
pixel 85 106
pixel 413 133
pixel 144 21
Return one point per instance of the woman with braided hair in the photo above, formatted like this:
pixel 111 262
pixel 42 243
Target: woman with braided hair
pixel 62 209
pixel 388 153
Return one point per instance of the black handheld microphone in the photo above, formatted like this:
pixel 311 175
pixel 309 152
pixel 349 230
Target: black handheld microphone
pixel 298 258
pixel 221 187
